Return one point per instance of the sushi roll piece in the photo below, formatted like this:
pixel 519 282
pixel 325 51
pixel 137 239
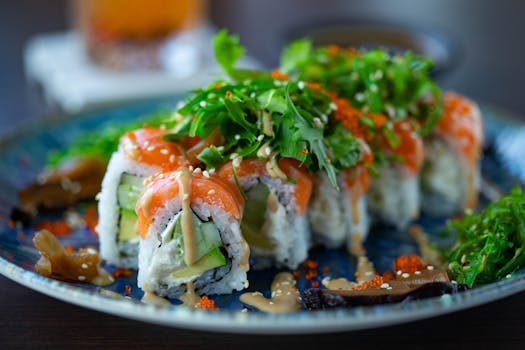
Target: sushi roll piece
pixel 141 153
pixel 339 217
pixel 394 194
pixel 451 173
pixel 189 224
pixel 274 224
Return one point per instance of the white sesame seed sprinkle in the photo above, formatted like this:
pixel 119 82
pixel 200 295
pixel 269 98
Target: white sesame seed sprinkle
pixel 252 95
pixel 150 148
pixel 405 275
pixel 244 310
pixel 399 272
pixel 172 158
pixel 430 267
pixel 417 272
pixel 268 150
pixel 197 171
pixel 300 85
pixel 164 151
pixel 81 278
pixel 385 286
pixel 84 266
pixel 317 122
pixel 185 196
pixel 202 104
pixel 237 137
pixel 211 192
pixel 206 173
pixel 333 106
pixel 146 143
pixel 508 276
pixel 260 138
pixel 211 171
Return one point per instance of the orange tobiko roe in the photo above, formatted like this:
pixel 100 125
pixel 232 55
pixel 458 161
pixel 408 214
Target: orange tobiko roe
pixel 165 186
pixel 462 123
pixel 147 146
pixel 410 147
pixel 409 264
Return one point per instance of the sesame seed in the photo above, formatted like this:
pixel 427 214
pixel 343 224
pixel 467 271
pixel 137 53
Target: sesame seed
pixel 150 148
pixel 271 302
pixel 300 85
pixel 399 272
pixel 206 173
pixel 508 276
pixel 268 150
pixel 417 272
pixel 324 117
pixel 405 275
pixel 197 171
pixel 172 158
pixel 252 95
pixel 237 137
pixel 360 97
pixel 260 138
pixel 453 282
pixel 211 171
pixel 244 310
pixel 84 266
pixel 233 156
pixel 81 278
pixel 317 122
pixel 146 143
pixel 211 192
pixel 190 168
pixel 202 104
pixel 333 106
pixel 430 267
pixel 186 196
pixel 164 151
pixel 236 162
pixel 385 286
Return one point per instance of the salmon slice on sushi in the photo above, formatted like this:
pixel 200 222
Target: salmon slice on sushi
pixel 451 174
pixel 190 238
pixel 141 153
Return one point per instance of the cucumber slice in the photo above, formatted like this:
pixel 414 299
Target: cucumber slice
pixel 254 217
pixel 129 190
pixel 210 260
pixel 127 222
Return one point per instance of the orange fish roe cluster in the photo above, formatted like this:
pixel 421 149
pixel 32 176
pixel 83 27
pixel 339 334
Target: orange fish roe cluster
pixel 277 75
pixel 388 276
pixel 314 86
pixel 408 264
pixel 91 219
pixel 58 228
pixel 333 50
pixel 127 290
pixel 376 282
pixel 69 249
pixel 121 272
pixel 206 304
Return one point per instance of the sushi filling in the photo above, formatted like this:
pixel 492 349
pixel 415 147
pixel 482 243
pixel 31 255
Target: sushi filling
pixel 209 250
pixel 255 222
pixel 128 192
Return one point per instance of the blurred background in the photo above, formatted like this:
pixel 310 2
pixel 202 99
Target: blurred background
pixel 60 56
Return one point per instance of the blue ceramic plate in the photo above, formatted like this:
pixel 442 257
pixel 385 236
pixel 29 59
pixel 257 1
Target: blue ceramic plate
pixel 23 156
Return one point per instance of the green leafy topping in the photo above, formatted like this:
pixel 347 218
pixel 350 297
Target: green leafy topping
pixel 101 143
pixel 375 81
pixel 489 245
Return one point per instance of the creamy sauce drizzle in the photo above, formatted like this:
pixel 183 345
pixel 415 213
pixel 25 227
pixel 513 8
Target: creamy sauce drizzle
pixel 184 179
pixel 428 255
pixel 285 296
pixel 365 270
pixel 150 297
pixel 339 284
pixel 190 298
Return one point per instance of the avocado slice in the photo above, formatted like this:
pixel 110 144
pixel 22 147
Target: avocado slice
pixel 127 222
pixel 214 258
pixel 254 217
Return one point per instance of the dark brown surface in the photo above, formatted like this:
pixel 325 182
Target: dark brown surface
pixel 32 320
pixel 489 68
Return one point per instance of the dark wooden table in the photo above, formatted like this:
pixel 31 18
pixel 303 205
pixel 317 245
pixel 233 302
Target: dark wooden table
pixel 489 68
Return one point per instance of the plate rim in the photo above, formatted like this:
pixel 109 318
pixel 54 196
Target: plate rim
pixel 228 321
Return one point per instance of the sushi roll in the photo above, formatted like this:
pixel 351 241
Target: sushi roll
pixel 394 194
pixel 141 153
pixel 189 224
pixel 451 174
pixel 274 224
pixel 339 217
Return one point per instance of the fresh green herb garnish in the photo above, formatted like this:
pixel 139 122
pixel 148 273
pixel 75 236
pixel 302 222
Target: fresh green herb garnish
pixel 489 245
pixel 262 117
pixel 374 81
